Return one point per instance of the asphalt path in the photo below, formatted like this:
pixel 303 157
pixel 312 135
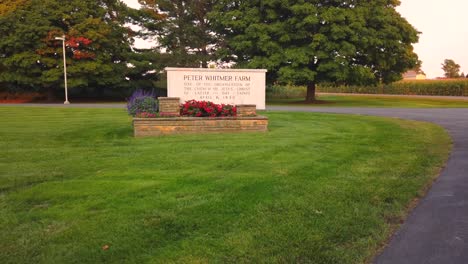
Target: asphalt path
pixel 436 231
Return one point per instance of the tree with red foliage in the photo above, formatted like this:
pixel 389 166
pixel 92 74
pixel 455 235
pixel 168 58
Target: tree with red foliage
pixel 98 45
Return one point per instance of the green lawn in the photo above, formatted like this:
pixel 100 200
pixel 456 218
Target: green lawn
pixel 375 101
pixel 318 188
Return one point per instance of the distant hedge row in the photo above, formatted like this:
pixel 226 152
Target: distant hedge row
pixel 285 92
pixel 453 87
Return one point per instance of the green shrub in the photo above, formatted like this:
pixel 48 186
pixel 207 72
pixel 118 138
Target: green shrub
pixel 285 92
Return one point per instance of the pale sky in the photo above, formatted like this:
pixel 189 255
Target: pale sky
pixel 444 27
pixel 444 31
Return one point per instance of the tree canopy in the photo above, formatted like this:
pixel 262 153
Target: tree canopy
pixel 7 6
pixel 309 42
pixel 184 30
pixel 98 43
pixel 299 42
pixel 451 69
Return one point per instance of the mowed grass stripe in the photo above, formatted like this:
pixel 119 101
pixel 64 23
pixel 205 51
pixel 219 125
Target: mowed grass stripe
pixel 317 188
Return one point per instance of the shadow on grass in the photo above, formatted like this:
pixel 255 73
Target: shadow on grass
pixel 316 102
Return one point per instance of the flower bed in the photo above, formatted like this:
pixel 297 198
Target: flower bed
pixel 144 127
pixel 195 117
pixel 207 109
pixel 142 104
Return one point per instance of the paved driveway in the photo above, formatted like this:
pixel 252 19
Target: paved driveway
pixel 436 231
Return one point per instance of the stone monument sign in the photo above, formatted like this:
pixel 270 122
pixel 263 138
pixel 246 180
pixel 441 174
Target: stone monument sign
pixel 222 86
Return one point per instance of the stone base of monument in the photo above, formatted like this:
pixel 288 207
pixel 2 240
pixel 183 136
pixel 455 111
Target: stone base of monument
pixel 246 110
pixel 146 127
pixel 169 106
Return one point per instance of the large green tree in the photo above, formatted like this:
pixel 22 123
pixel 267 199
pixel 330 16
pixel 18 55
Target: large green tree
pixel 309 42
pixel 183 30
pixel 451 68
pixel 98 44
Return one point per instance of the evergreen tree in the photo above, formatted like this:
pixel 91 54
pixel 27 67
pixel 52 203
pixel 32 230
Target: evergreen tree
pixel 310 42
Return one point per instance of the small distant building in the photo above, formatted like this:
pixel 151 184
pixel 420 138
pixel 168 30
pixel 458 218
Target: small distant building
pixel 414 75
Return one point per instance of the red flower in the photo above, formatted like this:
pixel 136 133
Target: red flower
pixel 206 109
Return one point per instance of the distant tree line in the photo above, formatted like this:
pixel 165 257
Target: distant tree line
pixel 298 42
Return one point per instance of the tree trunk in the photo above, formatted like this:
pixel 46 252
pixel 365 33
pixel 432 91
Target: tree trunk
pixel 204 64
pixel 310 97
pixel 205 55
